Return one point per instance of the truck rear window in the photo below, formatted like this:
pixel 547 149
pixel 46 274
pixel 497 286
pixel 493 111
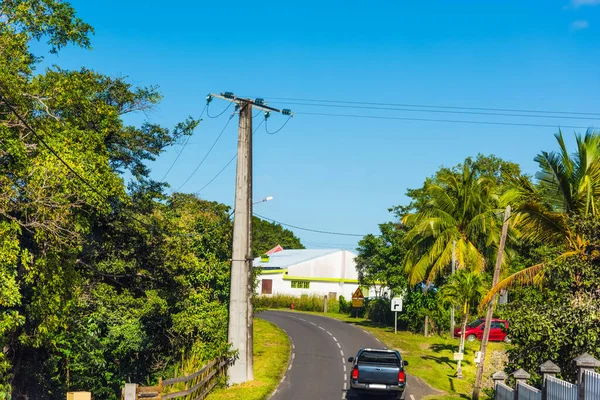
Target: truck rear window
pixel 377 357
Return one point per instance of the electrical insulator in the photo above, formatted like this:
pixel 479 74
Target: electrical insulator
pixel 286 111
pixel 209 98
pixel 259 102
pixel 267 114
pixel 228 95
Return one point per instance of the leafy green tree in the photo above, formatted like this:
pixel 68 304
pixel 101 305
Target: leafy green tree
pixel 559 322
pixel 464 290
pixel 458 207
pixel 567 190
pixel 380 258
pixel 266 235
pixel 105 282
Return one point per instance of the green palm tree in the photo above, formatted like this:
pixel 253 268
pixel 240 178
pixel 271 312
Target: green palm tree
pixel 462 208
pixel 568 187
pixel 464 290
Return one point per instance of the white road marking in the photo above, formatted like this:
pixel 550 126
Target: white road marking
pixel 289 366
pixel 330 334
pixel 344 368
pixel 312 323
pixel 321 328
pixel 338 344
pixel 412 397
pixel 334 339
pixel 342 352
pixel 293 356
pixel 293 347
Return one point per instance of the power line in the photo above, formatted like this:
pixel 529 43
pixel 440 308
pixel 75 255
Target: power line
pixel 55 154
pixel 207 153
pixel 221 113
pixel 183 148
pixel 330 245
pixel 437 106
pixel 441 120
pixel 226 165
pixel 311 230
pixel 47 146
pixel 282 126
pixel 440 111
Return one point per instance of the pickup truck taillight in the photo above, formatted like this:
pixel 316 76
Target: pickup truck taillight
pixel 401 377
pixel 355 373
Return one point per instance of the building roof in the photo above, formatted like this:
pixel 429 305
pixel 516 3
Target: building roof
pixel 286 258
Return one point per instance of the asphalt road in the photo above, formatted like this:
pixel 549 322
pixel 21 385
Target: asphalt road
pixel 318 368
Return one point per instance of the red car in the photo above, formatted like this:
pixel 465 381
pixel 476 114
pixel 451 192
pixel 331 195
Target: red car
pixel 475 330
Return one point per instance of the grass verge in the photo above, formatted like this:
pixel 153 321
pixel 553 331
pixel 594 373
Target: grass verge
pixel 431 358
pixel 271 354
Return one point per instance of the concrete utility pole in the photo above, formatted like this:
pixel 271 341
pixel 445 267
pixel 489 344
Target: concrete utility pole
pixel 452 307
pixel 241 319
pixel 490 309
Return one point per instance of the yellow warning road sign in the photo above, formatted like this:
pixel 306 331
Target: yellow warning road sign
pixel 357 298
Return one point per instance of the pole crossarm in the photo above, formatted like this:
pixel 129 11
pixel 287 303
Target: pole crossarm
pixel 240 100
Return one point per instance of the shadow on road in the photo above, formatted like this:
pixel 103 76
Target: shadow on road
pixel 352 395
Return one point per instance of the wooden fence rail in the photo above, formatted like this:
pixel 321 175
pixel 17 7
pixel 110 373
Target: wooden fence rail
pixel 196 386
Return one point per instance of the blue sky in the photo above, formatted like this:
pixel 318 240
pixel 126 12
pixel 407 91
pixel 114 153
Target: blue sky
pixel 341 173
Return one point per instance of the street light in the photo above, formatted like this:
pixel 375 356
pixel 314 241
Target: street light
pixel 268 198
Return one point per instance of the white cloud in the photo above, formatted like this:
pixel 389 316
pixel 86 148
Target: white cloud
pixel 579 25
pixel 580 3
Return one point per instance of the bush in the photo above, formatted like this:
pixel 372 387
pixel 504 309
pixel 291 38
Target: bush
pixel 302 303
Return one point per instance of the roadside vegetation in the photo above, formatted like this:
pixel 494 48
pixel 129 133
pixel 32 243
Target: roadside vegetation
pixel 550 266
pixel 105 278
pixel 271 355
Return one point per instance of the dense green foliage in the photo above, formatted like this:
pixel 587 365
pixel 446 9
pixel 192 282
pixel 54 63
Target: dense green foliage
pixel 266 235
pixel 101 282
pixel 553 243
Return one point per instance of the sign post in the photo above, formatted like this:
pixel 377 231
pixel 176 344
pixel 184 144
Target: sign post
pixel 357 300
pixel 396 306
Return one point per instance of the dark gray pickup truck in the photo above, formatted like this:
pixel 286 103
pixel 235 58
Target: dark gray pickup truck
pixel 377 371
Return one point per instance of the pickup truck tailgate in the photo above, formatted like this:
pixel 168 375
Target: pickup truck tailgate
pixel 378 374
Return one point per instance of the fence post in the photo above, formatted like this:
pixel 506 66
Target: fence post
pixel 325 304
pixel 499 377
pixel 548 369
pixel 584 362
pixel 521 376
pixel 79 396
pixel 131 391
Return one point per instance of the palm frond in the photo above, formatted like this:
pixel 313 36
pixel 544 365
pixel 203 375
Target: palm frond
pixel 525 276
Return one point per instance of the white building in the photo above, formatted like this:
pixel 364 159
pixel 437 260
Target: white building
pixel 330 272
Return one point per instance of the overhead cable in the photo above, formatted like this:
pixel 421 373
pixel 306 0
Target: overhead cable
pixel 207 153
pixel 183 148
pixel 438 106
pixel 311 230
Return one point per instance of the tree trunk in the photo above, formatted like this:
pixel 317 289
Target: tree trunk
pixel 426 328
pixel 461 347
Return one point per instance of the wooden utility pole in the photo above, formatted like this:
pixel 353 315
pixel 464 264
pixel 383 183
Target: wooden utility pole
pixel 241 318
pixel 490 307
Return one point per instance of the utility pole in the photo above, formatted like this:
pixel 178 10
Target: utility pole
pixel 452 307
pixel 490 307
pixel 241 319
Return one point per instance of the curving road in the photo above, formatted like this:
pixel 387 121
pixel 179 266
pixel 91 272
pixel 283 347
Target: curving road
pixel 318 369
